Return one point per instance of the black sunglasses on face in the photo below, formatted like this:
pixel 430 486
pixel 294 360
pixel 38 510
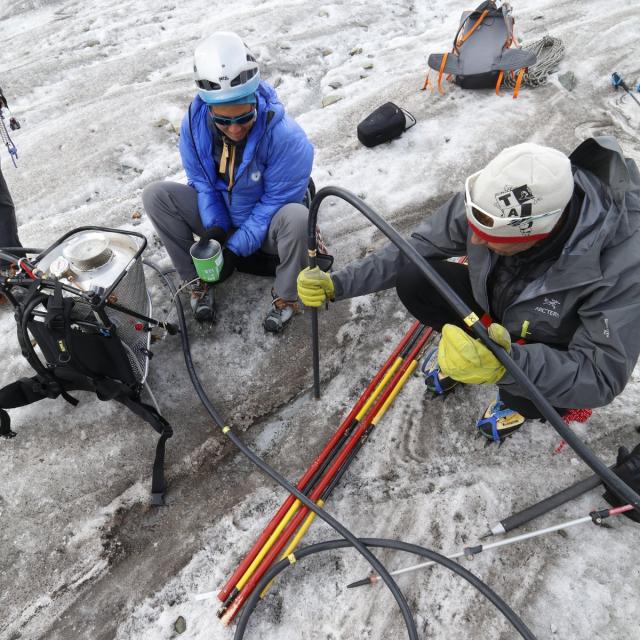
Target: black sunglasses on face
pixel 243 118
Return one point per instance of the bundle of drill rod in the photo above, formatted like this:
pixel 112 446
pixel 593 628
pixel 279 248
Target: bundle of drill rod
pixel 285 530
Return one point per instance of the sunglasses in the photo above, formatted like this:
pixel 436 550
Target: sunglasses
pixel 243 118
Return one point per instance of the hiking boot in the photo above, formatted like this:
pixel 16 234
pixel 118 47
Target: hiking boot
pixel 202 302
pixel 499 422
pixel 437 384
pixel 280 313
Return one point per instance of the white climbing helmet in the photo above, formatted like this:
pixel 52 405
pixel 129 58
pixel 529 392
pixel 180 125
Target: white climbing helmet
pixel 224 69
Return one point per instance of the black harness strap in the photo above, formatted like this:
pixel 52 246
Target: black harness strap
pixel 162 427
pixel 56 309
pixel 28 390
pixel 107 389
pixel 23 392
pixel 49 384
pixel 5 425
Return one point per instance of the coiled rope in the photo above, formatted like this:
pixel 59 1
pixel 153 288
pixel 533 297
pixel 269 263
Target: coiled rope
pixel 549 51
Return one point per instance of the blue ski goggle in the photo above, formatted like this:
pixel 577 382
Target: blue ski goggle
pixel 243 118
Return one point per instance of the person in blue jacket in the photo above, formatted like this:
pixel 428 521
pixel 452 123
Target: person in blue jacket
pixel 248 167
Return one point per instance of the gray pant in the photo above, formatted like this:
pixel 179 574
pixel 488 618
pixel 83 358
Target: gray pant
pixel 173 209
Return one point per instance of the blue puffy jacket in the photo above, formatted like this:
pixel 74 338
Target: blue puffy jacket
pixel 275 169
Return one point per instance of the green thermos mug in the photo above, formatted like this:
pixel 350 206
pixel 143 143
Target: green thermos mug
pixel 207 259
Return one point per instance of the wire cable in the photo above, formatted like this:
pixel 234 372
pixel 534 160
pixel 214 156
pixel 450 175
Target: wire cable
pixel 275 475
pixel 329 545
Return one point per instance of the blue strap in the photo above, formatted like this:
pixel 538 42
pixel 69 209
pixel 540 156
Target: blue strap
pixel 493 420
pixel 433 374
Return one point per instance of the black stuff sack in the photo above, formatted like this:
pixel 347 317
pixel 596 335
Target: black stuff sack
pixel 387 122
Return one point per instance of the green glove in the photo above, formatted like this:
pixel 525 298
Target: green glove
pixel 467 360
pixel 314 287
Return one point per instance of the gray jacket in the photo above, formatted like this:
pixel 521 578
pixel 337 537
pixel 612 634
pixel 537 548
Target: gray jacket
pixel 582 316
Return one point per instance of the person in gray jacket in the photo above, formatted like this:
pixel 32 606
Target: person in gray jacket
pixel 553 246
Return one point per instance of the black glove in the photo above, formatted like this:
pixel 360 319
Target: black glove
pixel 214 233
pixel 230 263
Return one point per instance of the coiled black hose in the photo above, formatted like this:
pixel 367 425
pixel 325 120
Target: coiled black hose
pixel 329 545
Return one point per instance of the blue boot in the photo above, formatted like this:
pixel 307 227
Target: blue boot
pixel 499 422
pixel 429 366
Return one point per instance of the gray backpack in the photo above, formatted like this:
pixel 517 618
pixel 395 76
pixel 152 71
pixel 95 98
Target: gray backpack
pixel 484 50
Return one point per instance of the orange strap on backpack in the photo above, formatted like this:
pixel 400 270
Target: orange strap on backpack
pixel 426 80
pixel 441 71
pixel 464 37
pixel 518 82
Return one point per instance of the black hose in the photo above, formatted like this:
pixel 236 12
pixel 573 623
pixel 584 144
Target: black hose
pixel 20 252
pixel 9 257
pixel 273 474
pixel 548 504
pixel 618 486
pixel 483 588
pixel 312 251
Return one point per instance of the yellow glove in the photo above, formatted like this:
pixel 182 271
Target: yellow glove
pixel 467 360
pixel 314 287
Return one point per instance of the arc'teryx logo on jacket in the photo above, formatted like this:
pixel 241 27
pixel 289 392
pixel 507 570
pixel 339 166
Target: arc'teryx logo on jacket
pixel 549 307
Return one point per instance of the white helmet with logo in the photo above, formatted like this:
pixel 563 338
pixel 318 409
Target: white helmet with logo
pixel 520 195
pixel 224 69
